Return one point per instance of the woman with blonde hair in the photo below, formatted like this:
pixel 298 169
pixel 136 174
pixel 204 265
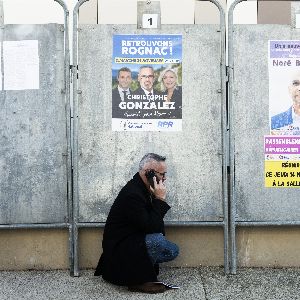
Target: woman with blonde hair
pixel 169 86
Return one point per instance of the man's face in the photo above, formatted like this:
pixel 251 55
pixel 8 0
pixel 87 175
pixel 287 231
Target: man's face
pixel 146 78
pixel 160 169
pixel 124 79
pixel 294 90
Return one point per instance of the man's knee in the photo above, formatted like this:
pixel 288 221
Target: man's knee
pixel 175 251
pixel 163 248
pixel 155 239
pixel 166 246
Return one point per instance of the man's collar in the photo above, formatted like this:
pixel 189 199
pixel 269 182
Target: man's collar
pixel 295 116
pixel 137 178
pixel 147 92
pixel 121 90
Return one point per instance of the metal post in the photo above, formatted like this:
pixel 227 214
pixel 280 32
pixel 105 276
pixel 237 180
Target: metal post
pixel 35 226
pixel 68 127
pixel 231 140
pixel 167 223
pixel 75 137
pixel 225 140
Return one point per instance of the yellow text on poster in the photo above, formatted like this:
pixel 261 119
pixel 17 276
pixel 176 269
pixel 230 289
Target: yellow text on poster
pixel 140 60
pixel 285 174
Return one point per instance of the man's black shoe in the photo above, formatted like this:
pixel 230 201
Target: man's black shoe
pixel 148 287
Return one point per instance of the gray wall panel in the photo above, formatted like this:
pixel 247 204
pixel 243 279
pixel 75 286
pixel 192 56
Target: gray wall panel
pixel 108 159
pixel 251 123
pixel 33 182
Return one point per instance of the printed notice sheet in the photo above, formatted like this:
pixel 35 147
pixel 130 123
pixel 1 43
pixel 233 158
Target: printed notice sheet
pixel 21 65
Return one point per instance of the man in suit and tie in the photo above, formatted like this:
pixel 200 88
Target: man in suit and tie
pixel 121 92
pixel 289 121
pixel 146 80
pixel 146 93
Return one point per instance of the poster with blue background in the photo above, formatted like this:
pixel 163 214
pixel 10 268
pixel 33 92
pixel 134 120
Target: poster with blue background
pixel 147 83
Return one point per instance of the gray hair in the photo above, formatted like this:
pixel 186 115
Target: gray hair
pixel 149 157
pixel 146 67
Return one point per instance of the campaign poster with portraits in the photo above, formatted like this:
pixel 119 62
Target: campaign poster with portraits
pixel 147 82
pixel 284 87
pixel 282 145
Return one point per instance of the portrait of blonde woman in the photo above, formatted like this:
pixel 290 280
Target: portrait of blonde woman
pixel 169 86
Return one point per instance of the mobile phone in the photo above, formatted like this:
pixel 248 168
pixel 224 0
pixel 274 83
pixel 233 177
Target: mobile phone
pixel 149 175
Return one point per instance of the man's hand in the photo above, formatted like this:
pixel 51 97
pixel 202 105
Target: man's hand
pixel 159 190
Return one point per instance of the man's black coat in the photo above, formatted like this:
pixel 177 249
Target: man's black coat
pixel 133 215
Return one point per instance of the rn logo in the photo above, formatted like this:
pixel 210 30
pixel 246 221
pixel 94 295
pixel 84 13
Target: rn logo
pixel 165 124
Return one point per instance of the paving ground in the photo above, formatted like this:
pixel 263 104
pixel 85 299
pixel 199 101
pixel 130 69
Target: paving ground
pixel 195 283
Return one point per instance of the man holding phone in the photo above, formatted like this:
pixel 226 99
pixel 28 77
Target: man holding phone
pixel 133 241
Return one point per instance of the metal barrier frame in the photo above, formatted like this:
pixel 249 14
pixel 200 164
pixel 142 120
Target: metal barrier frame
pixel 225 146
pixel 232 196
pixel 69 200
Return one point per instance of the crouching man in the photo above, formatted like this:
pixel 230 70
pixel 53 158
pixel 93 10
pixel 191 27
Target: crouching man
pixel 133 240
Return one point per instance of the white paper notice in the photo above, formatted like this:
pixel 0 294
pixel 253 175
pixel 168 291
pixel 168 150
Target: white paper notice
pixel 21 65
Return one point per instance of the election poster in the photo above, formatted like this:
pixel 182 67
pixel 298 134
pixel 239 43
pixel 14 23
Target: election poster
pixel 147 82
pixel 282 161
pixel 282 146
pixel 284 87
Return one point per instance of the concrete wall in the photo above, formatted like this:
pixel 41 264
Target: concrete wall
pixel 48 249
pixel 104 167
pixel 33 249
pixel 198 246
pixel 268 247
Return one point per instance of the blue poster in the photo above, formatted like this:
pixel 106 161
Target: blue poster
pixel 147 83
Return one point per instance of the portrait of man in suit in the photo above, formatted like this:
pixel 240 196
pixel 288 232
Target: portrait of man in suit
pixel 289 120
pixel 146 80
pixel 121 92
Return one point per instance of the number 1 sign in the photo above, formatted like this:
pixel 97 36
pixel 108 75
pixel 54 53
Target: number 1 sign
pixel 150 20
